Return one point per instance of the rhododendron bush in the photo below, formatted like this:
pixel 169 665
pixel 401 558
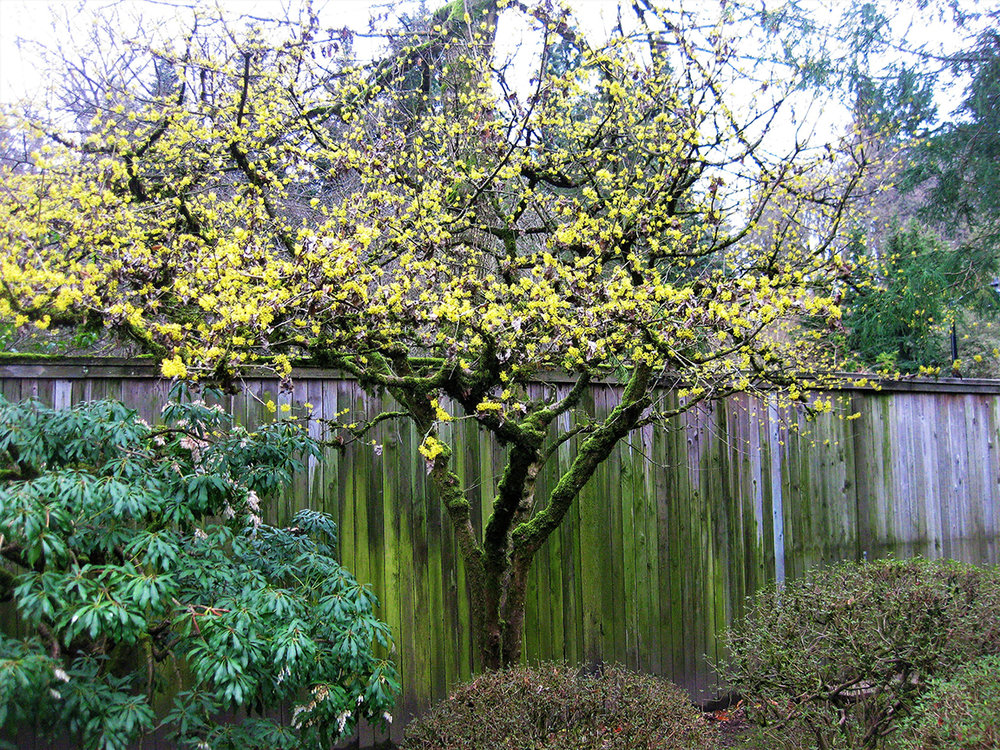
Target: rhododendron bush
pixel 448 229
pixel 140 563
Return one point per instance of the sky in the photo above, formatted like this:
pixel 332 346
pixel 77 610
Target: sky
pixel 33 20
pixel 20 74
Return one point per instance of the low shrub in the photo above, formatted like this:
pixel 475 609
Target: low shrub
pixel 557 707
pixel 845 653
pixel 961 713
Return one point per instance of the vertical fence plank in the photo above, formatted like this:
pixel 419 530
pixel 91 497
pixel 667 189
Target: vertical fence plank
pixel 389 595
pixel 649 583
pixel 632 547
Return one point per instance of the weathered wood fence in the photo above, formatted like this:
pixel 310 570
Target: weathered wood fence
pixel 678 527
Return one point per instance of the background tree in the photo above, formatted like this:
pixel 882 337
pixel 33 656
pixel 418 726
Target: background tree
pixel 122 577
pixel 936 165
pixel 895 304
pixel 620 218
pixel 957 161
pixel 952 179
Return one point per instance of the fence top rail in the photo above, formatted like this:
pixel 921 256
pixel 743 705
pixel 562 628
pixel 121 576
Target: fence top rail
pixel 70 368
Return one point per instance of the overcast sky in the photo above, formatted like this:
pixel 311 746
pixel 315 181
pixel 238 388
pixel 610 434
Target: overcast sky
pixel 34 20
pixel 47 21
pixel 44 20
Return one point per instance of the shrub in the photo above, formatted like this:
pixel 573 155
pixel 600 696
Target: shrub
pixel 556 707
pixel 960 713
pixel 844 653
pixel 139 554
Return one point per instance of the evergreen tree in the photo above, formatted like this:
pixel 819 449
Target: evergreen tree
pixel 958 162
pixel 896 305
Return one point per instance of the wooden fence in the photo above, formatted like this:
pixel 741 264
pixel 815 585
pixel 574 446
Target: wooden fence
pixel 677 528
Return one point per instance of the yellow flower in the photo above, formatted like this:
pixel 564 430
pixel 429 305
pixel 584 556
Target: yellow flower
pixel 282 366
pixel 440 414
pixel 431 448
pixel 173 368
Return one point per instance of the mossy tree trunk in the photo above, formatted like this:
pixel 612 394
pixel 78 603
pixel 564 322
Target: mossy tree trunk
pixel 499 563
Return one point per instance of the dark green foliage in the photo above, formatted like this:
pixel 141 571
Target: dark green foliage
pixel 959 161
pixel 155 594
pixel 555 707
pixel 842 655
pixel 959 713
pixel 896 308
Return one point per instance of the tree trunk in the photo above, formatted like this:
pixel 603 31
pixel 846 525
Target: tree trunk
pixel 499 567
pixel 491 635
pixel 501 626
pixel 514 613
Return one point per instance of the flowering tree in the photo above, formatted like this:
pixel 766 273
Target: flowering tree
pixel 448 234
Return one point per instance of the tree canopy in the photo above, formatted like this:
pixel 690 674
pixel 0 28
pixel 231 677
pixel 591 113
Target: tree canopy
pixel 896 303
pixel 448 233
